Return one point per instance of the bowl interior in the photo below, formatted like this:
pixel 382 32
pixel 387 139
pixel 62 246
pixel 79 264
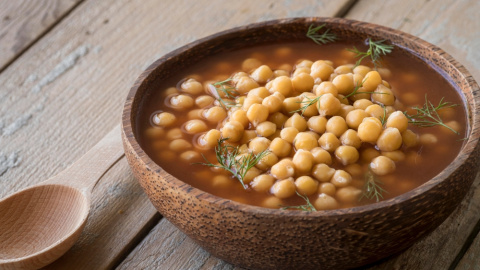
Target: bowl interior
pixel 295 29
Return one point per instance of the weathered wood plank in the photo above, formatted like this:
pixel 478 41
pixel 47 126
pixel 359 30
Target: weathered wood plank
pixel 438 23
pixel 23 21
pixel 471 259
pixel 67 90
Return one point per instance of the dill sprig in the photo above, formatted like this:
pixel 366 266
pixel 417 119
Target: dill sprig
pixel 308 206
pixel 309 102
pixel 427 115
pixel 375 51
pixel 228 90
pixel 372 188
pixel 383 120
pixel 318 38
pixel 228 159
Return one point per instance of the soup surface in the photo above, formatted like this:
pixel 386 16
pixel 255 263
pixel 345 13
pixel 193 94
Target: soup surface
pixel 301 126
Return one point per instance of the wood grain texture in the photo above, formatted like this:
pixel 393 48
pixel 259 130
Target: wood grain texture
pixel 437 22
pixel 24 21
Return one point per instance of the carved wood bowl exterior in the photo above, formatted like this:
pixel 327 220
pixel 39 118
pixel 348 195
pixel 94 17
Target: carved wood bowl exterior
pixel 260 238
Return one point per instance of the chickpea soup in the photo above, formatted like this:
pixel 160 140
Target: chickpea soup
pixel 298 126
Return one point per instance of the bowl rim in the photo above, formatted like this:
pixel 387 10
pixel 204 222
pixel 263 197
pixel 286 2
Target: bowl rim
pixel 465 152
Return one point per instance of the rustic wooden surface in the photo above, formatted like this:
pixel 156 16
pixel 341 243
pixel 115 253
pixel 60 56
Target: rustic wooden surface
pixel 66 67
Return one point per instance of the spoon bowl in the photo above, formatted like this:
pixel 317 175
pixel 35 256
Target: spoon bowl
pixel 39 224
pixel 27 220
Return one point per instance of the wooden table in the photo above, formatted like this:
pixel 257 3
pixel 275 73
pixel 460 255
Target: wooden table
pixel 67 65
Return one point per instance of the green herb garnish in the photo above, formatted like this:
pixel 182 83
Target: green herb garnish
pixel 375 51
pixel 373 187
pixel 308 206
pixel 228 90
pixel 309 102
pixel 231 160
pixel 427 116
pixel 358 86
pixel 383 120
pixel 320 39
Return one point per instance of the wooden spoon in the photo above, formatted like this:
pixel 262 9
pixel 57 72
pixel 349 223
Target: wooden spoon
pixel 40 223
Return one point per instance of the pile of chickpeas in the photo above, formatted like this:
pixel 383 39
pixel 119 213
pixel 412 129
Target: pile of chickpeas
pixel 317 132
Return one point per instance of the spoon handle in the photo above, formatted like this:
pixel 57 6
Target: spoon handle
pixel 85 172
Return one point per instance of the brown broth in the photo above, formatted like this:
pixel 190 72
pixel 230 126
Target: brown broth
pixel 408 75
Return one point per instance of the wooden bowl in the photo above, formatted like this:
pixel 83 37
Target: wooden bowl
pixel 260 238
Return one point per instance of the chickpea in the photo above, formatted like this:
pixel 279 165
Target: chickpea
pixel 280 147
pixel 317 124
pixel 192 87
pixel 453 125
pixel 344 69
pixel 322 172
pixel 195 114
pixel 249 101
pixel 305 141
pixel 325 202
pixel 181 102
pixel 355 170
pixel 344 110
pixel 291 104
pixel 233 130
pixel 204 101
pixel 396 155
pixel 283 169
pixel 283 85
pixel 195 126
pixel 306 185
pixel 288 134
pixel 389 140
pixel 369 153
pixel 362 104
pixel 302 82
pixel 215 114
pixel 251 174
pixel 383 95
pixel 279 95
pixel 267 161
pixel 299 70
pixel 355 118
pixel 376 111
pixel 154 132
pixel 273 103
pixel 310 110
pixel 327 188
pixel 250 64
pixel 336 125
pixel 245 84
pixel 329 142
pixel 174 133
pixel 257 114
pixel 370 129
pixel 278 119
pixel 348 194
pixel 409 138
pixel 272 202
pixel 346 154
pixel 328 105
pixel 259 144
pixel 248 135
pixel 321 70
pixel 170 91
pixel 221 181
pixel 297 122
pixel 164 119
pixel 321 156
pixel 179 145
pixel 428 138
pixel 344 84
pixel 262 183
pixel 371 81
pixel 398 120
pixel 303 161
pixel 343 100
pixel 266 129
pixel 382 165
pixel 283 188
pixel 350 138
pixel 210 139
pixel 260 92
pixel 275 135
pixel 362 70
pixel 190 156
pixel 279 72
pixel 304 63
pixel 341 179
pixel 326 88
